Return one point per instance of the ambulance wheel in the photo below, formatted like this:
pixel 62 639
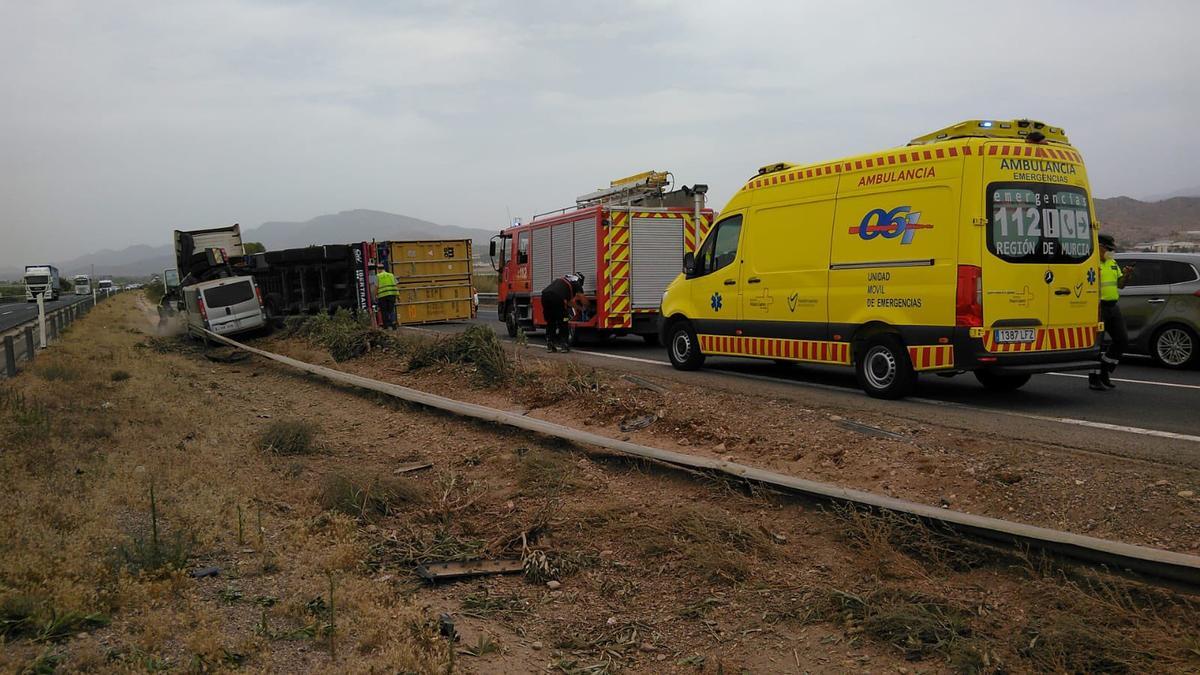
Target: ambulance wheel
pixel 510 321
pixel 883 368
pixel 998 382
pixel 683 348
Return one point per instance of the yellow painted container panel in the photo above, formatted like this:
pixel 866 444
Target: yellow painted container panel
pixel 433 303
pixel 430 260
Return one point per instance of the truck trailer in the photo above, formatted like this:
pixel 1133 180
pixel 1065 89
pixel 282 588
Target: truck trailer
pixel 41 280
pixel 627 241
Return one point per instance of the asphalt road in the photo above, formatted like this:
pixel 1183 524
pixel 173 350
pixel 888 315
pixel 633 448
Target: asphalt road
pixel 1147 398
pixel 13 314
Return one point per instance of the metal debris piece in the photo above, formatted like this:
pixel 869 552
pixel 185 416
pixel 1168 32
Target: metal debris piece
pixel 870 430
pixel 446 627
pixel 434 572
pixel 412 468
pixel 644 383
pixel 638 422
pixel 204 572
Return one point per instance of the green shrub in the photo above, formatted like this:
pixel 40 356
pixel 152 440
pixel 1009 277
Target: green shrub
pixel 477 345
pixel 365 498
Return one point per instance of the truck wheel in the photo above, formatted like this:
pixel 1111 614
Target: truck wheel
pixel 684 348
pixel 510 321
pixel 1174 346
pixel 652 339
pixel 883 368
pixel 998 382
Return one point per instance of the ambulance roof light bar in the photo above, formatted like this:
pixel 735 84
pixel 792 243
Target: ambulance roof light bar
pixel 1023 129
pixel 647 183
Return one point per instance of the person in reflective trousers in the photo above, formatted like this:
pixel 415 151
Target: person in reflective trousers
pixel 1112 279
pixel 557 301
pixel 386 293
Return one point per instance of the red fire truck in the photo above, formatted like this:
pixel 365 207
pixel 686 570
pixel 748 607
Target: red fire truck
pixel 628 240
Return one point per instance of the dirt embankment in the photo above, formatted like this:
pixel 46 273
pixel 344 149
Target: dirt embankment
pixel 305 497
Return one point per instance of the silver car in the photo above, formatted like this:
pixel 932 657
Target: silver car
pixel 1161 305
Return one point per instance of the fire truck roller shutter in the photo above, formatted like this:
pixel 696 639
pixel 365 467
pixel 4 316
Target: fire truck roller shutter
pixel 539 259
pixel 562 245
pixel 585 252
pixel 656 255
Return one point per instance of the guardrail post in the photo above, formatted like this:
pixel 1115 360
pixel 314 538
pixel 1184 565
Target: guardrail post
pixel 10 357
pixel 41 305
pixel 29 348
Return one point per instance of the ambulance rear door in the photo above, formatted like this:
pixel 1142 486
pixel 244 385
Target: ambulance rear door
pixel 1038 249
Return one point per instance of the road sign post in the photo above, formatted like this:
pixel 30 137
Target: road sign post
pixel 10 357
pixel 41 301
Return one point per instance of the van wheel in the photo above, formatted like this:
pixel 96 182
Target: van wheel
pixel 683 348
pixel 510 321
pixel 998 382
pixel 883 368
pixel 1173 346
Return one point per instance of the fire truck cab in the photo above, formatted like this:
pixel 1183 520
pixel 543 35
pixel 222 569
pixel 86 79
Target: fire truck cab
pixel 627 240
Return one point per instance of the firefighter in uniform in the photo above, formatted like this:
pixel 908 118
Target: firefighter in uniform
pixel 558 299
pixel 386 293
pixel 1112 279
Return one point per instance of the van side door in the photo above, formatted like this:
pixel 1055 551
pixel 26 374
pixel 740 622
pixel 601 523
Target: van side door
pixel 786 270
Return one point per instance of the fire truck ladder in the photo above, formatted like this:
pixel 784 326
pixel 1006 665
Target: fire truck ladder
pixel 627 190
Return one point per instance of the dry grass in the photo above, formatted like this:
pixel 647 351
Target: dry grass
pixel 79 533
pixel 288 437
pixel 369 497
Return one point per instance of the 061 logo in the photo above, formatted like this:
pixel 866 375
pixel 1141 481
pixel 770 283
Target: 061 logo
pixel 901 222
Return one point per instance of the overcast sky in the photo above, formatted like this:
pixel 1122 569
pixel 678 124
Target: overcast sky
pixel 124 120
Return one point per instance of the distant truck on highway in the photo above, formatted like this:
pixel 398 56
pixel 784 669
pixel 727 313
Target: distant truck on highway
pixel 83 284
pixel 41 280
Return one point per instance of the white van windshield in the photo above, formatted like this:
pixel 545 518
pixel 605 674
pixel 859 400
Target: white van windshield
pixel 1039 223
pixel 229 294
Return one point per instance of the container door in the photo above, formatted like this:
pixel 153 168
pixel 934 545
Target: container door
pixel 656 248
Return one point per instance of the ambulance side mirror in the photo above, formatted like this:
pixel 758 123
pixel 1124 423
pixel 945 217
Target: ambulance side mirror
pixel 689 263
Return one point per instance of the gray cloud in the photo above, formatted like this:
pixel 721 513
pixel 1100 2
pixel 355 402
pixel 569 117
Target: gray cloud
pixel 123 120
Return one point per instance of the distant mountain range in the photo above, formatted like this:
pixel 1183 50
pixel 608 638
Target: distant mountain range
pixel 1130 220
pixel 333 228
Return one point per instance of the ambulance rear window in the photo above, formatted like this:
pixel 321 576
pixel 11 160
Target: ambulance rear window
pixel 1039 223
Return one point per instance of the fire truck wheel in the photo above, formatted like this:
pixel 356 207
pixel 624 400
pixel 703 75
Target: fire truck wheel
pixel 997 382
pixel 683 348
pixel 883 368
pixel 510 321
pixel 652 339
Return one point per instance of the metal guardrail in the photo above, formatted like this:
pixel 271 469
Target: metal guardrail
pixel 21 342
pixel 1155 564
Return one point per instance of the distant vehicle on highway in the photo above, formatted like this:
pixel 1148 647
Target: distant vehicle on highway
pixel 1161 305
pixel 41 280
pixel 83 284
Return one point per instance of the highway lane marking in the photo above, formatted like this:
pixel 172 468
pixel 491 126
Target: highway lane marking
pixel 1044 418
pixel 1150 382
pixel 952 404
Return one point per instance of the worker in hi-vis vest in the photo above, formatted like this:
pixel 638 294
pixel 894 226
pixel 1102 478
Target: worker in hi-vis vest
pixel 385 294
pixel 1112 279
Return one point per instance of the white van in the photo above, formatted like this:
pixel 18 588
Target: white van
pixel 224 306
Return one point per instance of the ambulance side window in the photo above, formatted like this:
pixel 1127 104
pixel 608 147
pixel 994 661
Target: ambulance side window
pixel 523 248
pixel 720 248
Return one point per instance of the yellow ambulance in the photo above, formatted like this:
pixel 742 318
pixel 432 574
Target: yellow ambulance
pixel 971 248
